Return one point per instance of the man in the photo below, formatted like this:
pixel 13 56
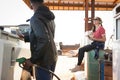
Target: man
pixel 43 49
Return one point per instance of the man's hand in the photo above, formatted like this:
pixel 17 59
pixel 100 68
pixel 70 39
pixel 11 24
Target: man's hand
pixel 28 63
pixel 21 36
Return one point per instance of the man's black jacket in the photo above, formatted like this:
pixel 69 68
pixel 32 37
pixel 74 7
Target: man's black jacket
pixel 43 49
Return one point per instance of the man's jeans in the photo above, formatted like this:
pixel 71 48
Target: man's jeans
pixel 42 74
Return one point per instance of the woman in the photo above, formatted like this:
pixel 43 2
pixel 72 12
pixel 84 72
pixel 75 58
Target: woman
pixel 98 37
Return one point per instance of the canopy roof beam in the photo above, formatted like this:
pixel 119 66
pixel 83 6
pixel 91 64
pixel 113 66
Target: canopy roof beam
pixel 102 5
pixel 80 5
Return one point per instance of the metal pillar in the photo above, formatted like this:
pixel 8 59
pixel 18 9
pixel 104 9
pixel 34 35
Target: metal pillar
pixel 92 11
pixel 88 25
pixel 86 15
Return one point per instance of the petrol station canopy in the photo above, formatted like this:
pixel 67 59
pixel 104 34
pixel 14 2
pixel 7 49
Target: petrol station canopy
pixel 100 5
pixel 86 5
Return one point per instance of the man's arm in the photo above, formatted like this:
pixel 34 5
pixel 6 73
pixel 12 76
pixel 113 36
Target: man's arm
pixel 41 39
pixel 23 36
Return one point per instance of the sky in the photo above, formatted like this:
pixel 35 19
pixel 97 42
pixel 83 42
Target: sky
pixel 69 24
pixel 14 12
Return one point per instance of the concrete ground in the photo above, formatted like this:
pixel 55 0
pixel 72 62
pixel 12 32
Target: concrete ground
pixel 64 64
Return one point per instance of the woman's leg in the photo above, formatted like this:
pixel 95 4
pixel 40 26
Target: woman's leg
pixel 82 52
pixel 81 56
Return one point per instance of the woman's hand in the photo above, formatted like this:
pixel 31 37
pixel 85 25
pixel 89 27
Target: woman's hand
pixel 90 37
pixel 94 39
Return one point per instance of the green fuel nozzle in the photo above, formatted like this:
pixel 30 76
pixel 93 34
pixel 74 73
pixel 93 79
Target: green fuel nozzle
pixel 21 61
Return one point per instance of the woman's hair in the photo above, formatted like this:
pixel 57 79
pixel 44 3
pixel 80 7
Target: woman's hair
pixel 33 1
pixel 93 29
pixel 99 19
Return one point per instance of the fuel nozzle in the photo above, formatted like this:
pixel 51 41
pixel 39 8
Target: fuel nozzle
pixel 21 61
